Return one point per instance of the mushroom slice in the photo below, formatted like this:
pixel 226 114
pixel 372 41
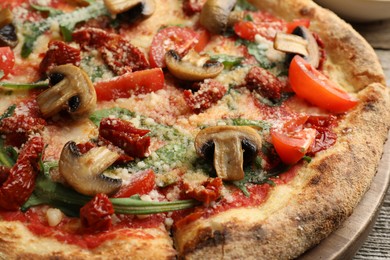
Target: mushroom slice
pixel 291 43
pixel 72 91
pixel 231 147
pixel 121 6
pixel 193 66
pixel 301 42
pixel 8 35
pixel 84 172
pixel 215 15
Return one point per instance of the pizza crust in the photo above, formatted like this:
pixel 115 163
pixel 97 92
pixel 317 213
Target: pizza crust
pixel 17 242
pixel 326 191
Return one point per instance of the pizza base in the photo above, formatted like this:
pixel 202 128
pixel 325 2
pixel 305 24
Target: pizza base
pixel 296 216
pixel 325 192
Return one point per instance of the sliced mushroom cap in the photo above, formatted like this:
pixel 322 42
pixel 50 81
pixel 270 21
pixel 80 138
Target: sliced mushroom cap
pixel 144 7
pixel 301 42
pixel 71 90
pixel 215 14
pixel 192 66
pixel 8 35
pixel 84 172
pixel 230 147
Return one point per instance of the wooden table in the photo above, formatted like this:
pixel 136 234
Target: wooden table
pixel 377 244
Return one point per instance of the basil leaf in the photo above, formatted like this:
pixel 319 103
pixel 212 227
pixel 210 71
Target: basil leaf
pixel 50 10
pixel 243 5
pixel 228 61
pixel 8 112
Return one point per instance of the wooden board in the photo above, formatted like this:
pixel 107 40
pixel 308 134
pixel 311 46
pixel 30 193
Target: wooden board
pixel 346 241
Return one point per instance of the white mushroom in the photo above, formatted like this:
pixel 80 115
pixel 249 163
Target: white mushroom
pixel 146 7
pixel 230 146
pixel 71 90
pixel 84 172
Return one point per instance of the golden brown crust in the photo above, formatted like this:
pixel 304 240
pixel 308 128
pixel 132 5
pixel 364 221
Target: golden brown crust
pixel 325 191
pixel 17 242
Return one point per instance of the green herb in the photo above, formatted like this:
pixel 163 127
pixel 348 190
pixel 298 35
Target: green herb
pixel 307 158
pixel 1 74
pixel 258 51
pixel 33 30
pixel 275 102
pixel 263 125
pixel 118 112
pixel 8 112
pixel 69 201
pixel 50 10
pixel 228 61
pixel 24 86
pixel 243 5
pixel 6 158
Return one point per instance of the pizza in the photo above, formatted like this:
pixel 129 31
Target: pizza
pixel 182 129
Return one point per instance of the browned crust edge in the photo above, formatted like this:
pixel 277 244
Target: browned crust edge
pixel 338 178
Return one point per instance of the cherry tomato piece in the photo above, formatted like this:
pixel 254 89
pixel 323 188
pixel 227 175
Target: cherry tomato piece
pixel 297 22
pixel 7 61
pixel 202 40
pixel 139 82
pixel 291 147
pixel 171 38
pixel 141 183
pixel 311 85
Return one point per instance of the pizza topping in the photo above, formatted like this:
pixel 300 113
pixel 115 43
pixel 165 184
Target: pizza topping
pixel 8 35
pixel 313 86
pixel 230 146
pixel 216 15
pixel 67 22
pixel 84 172
pixel 208 191
pixel 193 66
pixel 7 61
pixel 264 82
pixel 19 185
pixel 118 53
pixel 301 42
pixel 180 39
pixel 95 216
pixel 124 135
pixel 146 7
pixel 210 91
pixel 59 53
pixel 71 90
pixel 190 7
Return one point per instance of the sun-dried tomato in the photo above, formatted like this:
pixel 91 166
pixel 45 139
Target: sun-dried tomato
pixel 59 53
pixel 191 7
pixel 210 91
pixel 4 172
pixel 123 134
pixel 118 53
pixel 19 185
pixel 95 216
pixel 208 191
pixel 264 82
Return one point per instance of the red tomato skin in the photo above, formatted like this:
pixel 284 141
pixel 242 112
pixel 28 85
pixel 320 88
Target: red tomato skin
pixel 292 147
pixel 311 85
pixel 143 183
pixel 297 22
pixel 95 216
pixel 7 60
pixel 177 38
pixel 139 82
pixel 202 40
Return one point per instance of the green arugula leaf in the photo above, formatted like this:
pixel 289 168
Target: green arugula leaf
pixel 24 86
pixel 243 5
pixel 6 159
pixel 33 30
pixel 70 201
pixel 8 112
pixel 228 61
pixel 46 9
pixel 117 112
pixel 1 74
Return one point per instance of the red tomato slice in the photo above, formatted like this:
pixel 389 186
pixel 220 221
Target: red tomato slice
pixel 171 38
pixel 202 40
pixel 311 85
pixel 141 183
pixel 139 82
pixel 248 30
pixel 291 147
pixel 7 61
pixel 297 22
